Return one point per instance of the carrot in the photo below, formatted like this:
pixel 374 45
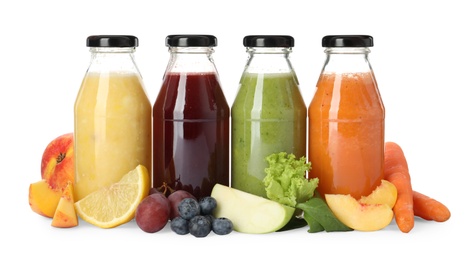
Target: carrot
pixel 429 208
pixel 396 171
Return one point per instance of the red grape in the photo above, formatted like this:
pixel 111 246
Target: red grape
pixel 153 213
pixel 154 190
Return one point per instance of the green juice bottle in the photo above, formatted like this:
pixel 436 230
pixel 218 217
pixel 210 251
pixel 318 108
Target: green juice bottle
pixel 268 113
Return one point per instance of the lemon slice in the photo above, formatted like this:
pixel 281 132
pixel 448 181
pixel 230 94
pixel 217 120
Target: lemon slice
pixel 115 204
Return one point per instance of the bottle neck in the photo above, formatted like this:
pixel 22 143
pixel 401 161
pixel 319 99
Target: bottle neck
pixel 347 60
pixel 268 60
pixel 113 60
pixel 191 60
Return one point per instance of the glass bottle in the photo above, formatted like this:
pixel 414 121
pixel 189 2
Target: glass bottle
pixel 346 120
pixel 191 119
pixel 112 115
pixel 268 113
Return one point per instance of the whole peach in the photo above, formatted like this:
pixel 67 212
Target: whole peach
pixel 57 166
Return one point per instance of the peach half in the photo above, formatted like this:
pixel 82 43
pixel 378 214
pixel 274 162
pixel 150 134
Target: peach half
pixel 359 216
pixel 369 213
pixel 385 193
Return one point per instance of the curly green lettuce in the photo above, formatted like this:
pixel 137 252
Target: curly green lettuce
pixel 285 181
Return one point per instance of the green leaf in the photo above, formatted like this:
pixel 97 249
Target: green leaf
pixel 316 210
pixel 314 225
pixel 294 223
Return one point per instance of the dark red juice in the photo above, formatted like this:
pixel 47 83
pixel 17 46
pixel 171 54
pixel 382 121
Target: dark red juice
pixel 191 133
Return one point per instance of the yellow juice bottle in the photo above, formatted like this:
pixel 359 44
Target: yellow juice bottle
pixel 112 116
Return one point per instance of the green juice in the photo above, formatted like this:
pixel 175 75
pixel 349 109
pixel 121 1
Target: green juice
pixel 268 116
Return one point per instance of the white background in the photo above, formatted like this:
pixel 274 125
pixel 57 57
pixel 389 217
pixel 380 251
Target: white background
pixel 418 59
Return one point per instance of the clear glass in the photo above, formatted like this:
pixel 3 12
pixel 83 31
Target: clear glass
pixel 268 116
pixel 346 125
pixel 112 121
pixel 347 60
pixel 191 122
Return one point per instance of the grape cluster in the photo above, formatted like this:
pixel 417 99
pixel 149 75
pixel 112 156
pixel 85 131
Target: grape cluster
pixel 185 213
pixel 195 217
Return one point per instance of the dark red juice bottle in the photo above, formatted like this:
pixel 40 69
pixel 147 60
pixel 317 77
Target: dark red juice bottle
pixel 191 119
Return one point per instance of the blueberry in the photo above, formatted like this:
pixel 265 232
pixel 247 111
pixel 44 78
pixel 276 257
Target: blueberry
pixel 222 226
pixel 189 208
pixel 200 226
pixel 207 204
pixel 211 218
pixel 179 225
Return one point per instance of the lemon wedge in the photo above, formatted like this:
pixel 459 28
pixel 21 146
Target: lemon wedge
pixel 115 204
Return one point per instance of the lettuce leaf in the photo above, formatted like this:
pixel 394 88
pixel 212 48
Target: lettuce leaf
pixel 285 181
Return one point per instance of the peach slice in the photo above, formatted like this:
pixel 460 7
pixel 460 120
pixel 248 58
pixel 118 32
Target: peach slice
pixel 385 193
pixel 43 199
pixel 65 215
pixel 359 216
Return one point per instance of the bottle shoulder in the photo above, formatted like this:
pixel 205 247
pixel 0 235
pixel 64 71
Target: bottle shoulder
pixel 269 92
pixel 191 96
pixel 347 95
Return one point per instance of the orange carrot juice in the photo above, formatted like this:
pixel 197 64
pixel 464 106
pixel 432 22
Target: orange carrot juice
pixel 346 134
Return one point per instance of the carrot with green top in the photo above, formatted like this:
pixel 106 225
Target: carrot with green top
pixel 429 209
pixel 396 171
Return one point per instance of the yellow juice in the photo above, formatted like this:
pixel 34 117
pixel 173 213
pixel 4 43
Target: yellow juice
pixel 112 130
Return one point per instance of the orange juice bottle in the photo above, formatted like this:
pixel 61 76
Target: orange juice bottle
pixel 346 120
pixel 112 116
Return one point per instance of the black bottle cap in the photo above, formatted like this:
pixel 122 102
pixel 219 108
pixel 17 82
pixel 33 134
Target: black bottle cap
pixel 285 41
pixel 190 40
pixel 112 41
pixel 347 41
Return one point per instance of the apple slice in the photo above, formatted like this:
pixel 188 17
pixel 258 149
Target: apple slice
pixel 248 212
pixel 359 216
pixel 65 215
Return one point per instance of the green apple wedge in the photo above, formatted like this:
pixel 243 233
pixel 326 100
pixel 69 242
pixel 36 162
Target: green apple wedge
pixel 250 213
